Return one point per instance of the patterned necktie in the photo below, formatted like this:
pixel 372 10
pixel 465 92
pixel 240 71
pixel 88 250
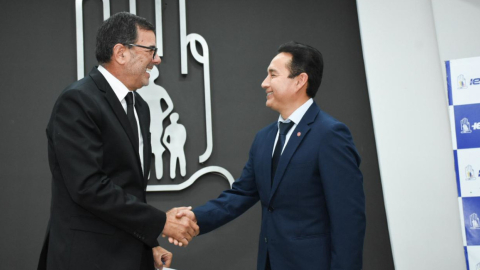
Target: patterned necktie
pixel 131 116
pixel 284 128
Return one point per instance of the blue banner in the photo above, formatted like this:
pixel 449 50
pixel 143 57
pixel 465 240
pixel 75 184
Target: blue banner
pixel 463 83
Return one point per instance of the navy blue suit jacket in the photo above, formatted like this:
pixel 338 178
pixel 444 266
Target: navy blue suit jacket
pixel 313 216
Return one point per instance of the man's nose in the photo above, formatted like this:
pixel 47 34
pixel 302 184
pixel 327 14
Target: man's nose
pixel 265 83
pixel 156 59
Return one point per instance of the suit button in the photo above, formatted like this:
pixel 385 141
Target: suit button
pixel 270 209
pixel 266 240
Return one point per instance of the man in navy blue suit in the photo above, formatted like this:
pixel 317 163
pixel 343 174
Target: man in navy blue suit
pixel 304 169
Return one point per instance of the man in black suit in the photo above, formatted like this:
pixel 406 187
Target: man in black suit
pixel 99 154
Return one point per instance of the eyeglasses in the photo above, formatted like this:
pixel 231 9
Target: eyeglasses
pixel 151 48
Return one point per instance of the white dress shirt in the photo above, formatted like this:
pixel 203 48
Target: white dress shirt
pixel 121 92
pixel 295 117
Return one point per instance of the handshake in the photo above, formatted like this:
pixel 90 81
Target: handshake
pixel 181 226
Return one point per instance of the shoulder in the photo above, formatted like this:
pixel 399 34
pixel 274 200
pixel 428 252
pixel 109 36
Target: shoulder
pixel 266 130
pixel 80 94
pixel 327 123
pixel 328 130
pixel 85 86
pixel 335 139
pixel 263 134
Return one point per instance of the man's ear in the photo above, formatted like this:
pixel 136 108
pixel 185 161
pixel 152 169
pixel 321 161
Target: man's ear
pixel 301 81
pixel 119 54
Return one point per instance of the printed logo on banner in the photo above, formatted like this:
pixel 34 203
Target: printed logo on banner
pixel 475 81
pixel 467 165
pixel 471 206
pixel 462 84
pixel 467 125
pixel 474 222
pixel 470 173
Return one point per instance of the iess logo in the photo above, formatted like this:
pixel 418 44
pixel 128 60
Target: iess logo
pixel 462 82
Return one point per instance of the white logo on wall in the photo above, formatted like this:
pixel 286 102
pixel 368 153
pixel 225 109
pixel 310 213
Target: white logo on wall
pixel 474 222
pixel 465 126
pixel 469 173
pixel 462 83
pixel 175 134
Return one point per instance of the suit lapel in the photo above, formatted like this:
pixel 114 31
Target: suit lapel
pixel 294 142
pixel 144 119
pixel 116 106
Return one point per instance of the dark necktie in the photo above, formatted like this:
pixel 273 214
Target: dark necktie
pixel 284 128
pixel 131 116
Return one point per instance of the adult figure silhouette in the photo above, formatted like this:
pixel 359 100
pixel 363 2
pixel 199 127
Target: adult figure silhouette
pixel 153 95
pixel 174 139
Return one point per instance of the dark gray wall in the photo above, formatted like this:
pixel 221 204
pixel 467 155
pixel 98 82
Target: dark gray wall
pixel 39 59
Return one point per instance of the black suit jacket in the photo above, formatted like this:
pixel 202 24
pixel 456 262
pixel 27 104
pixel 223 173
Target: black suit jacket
pixel 99 216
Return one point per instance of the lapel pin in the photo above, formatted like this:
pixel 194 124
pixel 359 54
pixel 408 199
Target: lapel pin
pixel 299 134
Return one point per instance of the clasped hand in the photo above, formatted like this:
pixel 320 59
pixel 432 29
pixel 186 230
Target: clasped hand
pixel 181 226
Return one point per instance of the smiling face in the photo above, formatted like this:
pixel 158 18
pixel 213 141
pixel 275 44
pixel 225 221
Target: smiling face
pixel 140 61
pixel 280 89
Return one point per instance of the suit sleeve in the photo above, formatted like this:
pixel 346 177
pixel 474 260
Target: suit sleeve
pixel 232 202
pixel 343 186
pixel 78 148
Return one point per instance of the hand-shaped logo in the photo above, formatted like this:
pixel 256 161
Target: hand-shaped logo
pixel 175 134
pixel 469 173
pixel 465 126
pixel 462 83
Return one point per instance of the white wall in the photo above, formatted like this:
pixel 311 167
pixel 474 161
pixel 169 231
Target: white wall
pixel 457 25
pixel 410 116
pixel 458 28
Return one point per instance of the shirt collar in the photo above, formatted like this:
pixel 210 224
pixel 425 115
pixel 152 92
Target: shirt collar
pixel 118 87
pixel 298 114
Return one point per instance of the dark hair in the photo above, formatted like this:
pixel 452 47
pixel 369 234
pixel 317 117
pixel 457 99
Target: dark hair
pixel 119 28
pixel 305 59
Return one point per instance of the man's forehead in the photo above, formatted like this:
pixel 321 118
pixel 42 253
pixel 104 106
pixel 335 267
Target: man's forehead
pixel 279 62
pixel 146 36
pixel 271 69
